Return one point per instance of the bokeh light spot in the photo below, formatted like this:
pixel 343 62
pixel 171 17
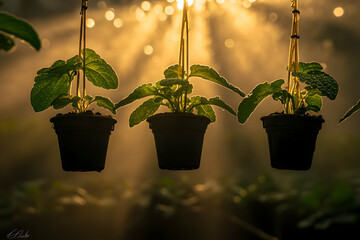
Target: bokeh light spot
pixel 140 15
pixel 45 43
pixel 109 15
pixel 118 23
pixel 148 50
pixel 180 3
pixel 273 17
pixel 145 5
pixel 90 23
pixel 229 43
pixel 338 12
pixel 169 10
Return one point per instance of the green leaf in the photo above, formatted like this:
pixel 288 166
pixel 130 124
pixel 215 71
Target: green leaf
pixel 216 101
pixel 105 103
pixel 309 67
pixel 98 71
pixel 168 82
pixel 210 74
pixel 314 102
pixel 144 90
pixel 6 43
pixel 220 103
pixel 144 111
pixel 258 94
pixel 351 111
pixel 19 28
pixel 207 111
pixel 321 81
pixel 172 71
pixel 49 84
pixel 64 100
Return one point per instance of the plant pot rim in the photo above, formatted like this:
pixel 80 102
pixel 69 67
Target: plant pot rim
pixel 176 115
pixel 87 114
pixel 283 116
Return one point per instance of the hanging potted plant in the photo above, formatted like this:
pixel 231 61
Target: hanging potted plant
pixel 292 134
pixel 83 135
pixel 179 133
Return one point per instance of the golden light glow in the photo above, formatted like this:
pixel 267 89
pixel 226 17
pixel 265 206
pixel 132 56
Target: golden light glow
pixel 109 15
pixel 158 9
pixel 148 50
pixel 145 5
pixel 140 15
pixel 180 3
pixel 252 1
pixel 118 23
pixel 171 1
pixel 220 1
pixel 246 4
pixel 338 12
pixel 162 17
pixel 90 23
pixel 169 10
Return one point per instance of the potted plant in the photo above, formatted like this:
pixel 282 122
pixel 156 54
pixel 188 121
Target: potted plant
pixel 83 135
pixel 292 134
pixel 178 134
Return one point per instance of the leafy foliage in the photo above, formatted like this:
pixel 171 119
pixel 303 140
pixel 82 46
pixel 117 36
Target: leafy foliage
pixel 318 84
pixel 351 111
pixel 172 92
pixel 53 85
pixel 19 28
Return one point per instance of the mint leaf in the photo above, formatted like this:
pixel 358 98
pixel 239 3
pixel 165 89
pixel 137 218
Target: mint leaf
pixel 207 111
pixel 351 111
pixel 321 81
pixel 105 103
pixel 258 94
pixel 144 90
pixel 98 71
pixel 210 74
pixel 309 67
pixel 19 28
pixel 314 102
pixel 220 103
pixel 172 71
pixel 6 43
pixel 144 111
pixel 48 86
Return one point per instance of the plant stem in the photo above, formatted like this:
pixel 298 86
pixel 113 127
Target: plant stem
pixel 183 71
pixel 293 63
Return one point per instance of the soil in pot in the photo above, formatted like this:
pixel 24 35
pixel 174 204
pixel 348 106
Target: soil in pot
pixel 292 139
pixel 83 140
pixel 179 139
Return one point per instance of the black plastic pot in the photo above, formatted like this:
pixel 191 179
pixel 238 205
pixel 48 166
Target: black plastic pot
pixel 83 140
pixel 179 139
pixel 292 140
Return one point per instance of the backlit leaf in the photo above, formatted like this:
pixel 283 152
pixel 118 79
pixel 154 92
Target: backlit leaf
pixel 19 28
pixel 258 94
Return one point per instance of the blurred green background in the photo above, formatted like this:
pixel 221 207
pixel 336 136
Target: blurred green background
pixel 235 194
